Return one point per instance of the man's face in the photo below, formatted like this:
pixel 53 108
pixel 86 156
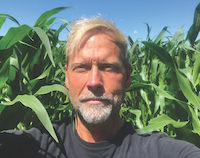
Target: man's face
pixel 96 79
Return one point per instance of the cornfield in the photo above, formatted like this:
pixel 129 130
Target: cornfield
pixel 164 94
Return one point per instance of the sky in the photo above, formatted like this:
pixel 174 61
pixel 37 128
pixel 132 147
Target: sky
pixel 128 15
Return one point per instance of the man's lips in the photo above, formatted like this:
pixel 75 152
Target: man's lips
pixel 94 100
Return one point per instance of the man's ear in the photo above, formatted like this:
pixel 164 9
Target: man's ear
pixel 66 77
pixel 128 75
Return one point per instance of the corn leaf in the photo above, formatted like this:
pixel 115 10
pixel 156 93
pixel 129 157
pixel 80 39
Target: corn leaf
pixel 148 32
pixel 2 20
pixel 44 74
pixel 195 122
pixel 60 29
pixel 158 89
pixel 10 17
pixel 160 52
pixel 195 28
pixel 187 90
pixel 196 69
pixel 160 37
pixel 14 35
pixel 51 88
pixel 50 21
pixel 4 73
pixel 45 40
pixel 46 15
pixel 160 122
pixel 33 103
pixel 137 113
pixel 178 36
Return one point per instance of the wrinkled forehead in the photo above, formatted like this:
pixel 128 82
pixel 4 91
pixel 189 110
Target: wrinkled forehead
pixel 88 36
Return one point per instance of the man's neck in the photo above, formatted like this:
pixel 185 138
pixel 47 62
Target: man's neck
pixel 97 132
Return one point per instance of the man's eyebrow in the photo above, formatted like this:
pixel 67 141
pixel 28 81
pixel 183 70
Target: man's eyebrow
pixel 114 63
pixel 72 65
pixel 78 63
pixel 111 63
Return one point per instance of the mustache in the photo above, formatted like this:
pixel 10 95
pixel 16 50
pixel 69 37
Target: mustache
pixel 103 98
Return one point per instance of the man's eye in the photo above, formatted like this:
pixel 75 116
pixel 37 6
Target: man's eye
pixel 109 68
pixel 80 68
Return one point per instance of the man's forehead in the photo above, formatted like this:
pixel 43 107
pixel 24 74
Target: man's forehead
pixel 101 41
pixel 92 35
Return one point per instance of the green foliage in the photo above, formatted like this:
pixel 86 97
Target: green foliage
pixel 33 103
pixel 195 28
pixel 165 90
pixel 32 75
pixel 164 94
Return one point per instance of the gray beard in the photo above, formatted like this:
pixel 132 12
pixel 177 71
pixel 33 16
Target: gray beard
pixel 96 114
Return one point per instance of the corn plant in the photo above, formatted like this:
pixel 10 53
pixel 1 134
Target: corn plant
pixel 32 74
pixel 165 90
pixel 164 94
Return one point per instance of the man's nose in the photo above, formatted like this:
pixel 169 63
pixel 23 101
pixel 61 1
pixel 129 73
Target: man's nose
pixel 95 81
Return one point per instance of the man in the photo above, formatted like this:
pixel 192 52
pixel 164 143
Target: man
pixel 97 74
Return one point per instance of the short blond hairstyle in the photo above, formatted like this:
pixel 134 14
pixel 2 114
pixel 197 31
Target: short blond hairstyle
pixel 82 27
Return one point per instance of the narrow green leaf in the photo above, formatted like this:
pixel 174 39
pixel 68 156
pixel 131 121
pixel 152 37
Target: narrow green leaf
pixel 4 72
pixel 187 47
pixel 46 15
pixel 50 21
pixel 187 90
pixel 196 69
pixel 33 103
pixel 51 88
pixel 192 35
pixel 44 74
pixel 195 28
pixel 196 21
pixel 160 122
pixel 64 20
pixel 160 52
pixel 162 92
pixel 133 86
pixel 137 113
pixel 148 31
pixel 195 122
pixel 26 44
pixel 188 73
pixel 158 89
pixel 2 20
pixel 147 101
pixel 161 35
pixel 159 103
pixel 60 29
pixel 10 17
pixel 14 35
pixel 45 40
pixel 133 46
pixel 14 62
pixel 178 36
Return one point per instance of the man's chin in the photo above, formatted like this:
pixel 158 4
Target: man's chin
pixel 95 116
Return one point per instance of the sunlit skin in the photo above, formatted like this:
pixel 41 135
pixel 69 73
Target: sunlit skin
pixel 97 69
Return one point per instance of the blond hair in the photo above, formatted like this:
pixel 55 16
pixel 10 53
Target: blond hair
pixel 82 27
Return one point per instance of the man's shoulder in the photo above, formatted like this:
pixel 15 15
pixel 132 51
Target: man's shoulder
pixel 18 144
pixel 158 144
pixel 31 141
pixel 150 137
pixel 36 132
